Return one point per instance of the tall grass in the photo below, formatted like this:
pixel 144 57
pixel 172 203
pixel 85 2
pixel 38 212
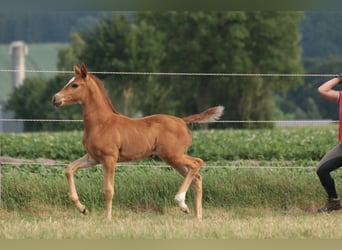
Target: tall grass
pixel 154 189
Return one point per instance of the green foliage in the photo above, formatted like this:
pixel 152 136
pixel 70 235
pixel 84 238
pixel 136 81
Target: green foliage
pixel 320 34
pixel 154 189
pixel 61 146
pixel 117 44
pixel 71 55
pixel 304 102
pixel 150 188
pixel 231 42
pixel 32 100
pixel 29 95
pixel 210 145
pixel 321 55
pixel 41 56
pixel 215 42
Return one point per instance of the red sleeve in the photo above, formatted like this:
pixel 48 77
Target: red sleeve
pixel 340 117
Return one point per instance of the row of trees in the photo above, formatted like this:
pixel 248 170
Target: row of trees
pixel 321 54
pixel 215 42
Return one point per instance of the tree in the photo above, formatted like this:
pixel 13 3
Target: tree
pixel 26 101
pixel 321 55
pixel 71 55
pixel 214 42
pixel 229 42
pixel 32 100
pixel 117 44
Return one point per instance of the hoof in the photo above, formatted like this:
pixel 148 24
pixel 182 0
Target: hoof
pixel 187 211
pixel 84 211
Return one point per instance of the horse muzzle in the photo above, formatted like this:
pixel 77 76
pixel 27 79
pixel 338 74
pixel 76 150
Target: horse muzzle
pixel 57 100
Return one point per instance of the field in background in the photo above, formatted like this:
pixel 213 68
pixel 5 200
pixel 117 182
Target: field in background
pixel 288 143
pixel 40 57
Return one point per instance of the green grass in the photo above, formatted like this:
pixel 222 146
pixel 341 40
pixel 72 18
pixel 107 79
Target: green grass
pixel 40 57
pixel 250 190
pixel 139 188
pixel 262 159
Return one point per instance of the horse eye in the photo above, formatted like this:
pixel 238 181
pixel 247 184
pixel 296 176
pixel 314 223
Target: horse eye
pixel 74 86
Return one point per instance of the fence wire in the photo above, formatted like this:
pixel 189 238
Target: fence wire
pixel 220 121
pixel 176 73
pixel 161 166
pixel 232 167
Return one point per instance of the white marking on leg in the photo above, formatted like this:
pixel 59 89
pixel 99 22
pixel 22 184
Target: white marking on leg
pixel 180 200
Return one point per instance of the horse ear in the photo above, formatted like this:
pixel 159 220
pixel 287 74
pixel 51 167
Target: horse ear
pixel 77 70
pixel 84 70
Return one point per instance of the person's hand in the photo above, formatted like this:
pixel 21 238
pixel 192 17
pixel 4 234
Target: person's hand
pixel 339 76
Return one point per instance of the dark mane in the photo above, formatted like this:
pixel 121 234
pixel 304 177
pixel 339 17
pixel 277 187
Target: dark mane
pixel 104 91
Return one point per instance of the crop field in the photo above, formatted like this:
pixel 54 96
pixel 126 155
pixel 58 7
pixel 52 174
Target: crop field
pixel 257 184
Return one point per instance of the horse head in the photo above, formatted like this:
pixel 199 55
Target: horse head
pixel 75 90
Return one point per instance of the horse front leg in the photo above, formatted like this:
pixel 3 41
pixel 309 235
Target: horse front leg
pixel 197 186
pixel 84 162
pixel 109 164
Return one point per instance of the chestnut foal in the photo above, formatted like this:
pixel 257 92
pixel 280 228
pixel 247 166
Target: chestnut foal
pixel 110 137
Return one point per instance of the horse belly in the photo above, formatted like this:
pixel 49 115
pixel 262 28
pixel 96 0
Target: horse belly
pixel 130 154
pixel 139 148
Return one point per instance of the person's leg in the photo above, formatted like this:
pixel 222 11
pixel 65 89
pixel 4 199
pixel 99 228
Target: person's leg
pixel 330 162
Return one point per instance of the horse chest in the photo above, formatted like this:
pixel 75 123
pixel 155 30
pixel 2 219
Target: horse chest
pixel 98 145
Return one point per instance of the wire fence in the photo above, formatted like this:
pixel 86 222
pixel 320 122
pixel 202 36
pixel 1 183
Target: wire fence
pixel 227 164
pixel 177 73
pixel 220 121
pixel 231 165
pixel 278 122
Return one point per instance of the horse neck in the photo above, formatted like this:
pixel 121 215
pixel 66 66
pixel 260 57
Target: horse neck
pixel 97 108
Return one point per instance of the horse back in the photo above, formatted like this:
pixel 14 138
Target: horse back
pixel 153 134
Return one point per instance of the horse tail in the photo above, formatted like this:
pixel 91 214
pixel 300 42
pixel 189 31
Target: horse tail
pixel 209 115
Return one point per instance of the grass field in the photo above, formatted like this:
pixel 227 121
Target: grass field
pixel 238 204
pixel 244 223
pixel 270 192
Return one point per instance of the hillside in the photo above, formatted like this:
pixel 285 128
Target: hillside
pixel 41 56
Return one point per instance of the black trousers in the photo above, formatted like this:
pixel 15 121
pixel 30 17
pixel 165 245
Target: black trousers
pixel 330 162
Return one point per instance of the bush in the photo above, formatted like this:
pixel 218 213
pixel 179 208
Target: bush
pixel 210 145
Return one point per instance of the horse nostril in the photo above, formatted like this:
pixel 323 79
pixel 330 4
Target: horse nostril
pixel 56 101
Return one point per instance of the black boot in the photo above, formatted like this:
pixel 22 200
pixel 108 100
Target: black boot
pixel 331 205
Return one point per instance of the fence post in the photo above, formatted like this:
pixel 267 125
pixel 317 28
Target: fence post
pixel 18 51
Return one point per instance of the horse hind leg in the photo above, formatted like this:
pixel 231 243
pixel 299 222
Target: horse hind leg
pixel 193 165
pixel 196 184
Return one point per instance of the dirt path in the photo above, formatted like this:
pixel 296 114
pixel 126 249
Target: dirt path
pixel 19 161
